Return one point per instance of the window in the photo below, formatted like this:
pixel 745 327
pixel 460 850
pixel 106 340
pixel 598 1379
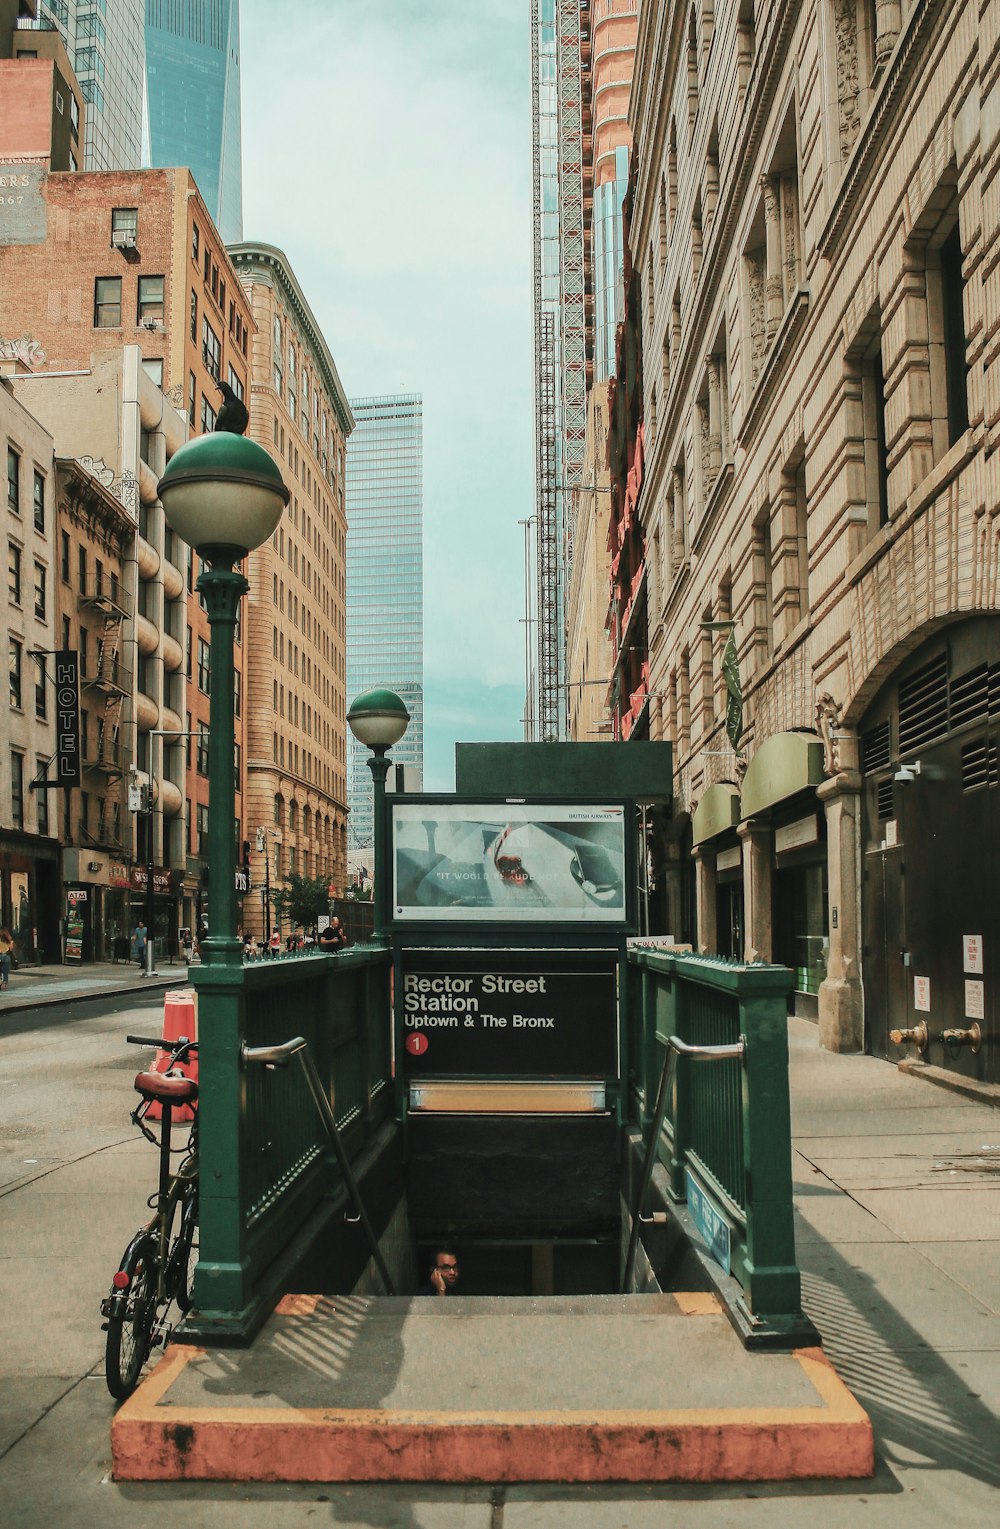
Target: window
pixel 236 384
pixel 208 416
pixel 201 757
pixel 13 481
pixel 124 225
pixel 14 569
pixel 195 242
pixel 953 323
pixel 74 122
pixel 153 367
pixel 202 829
pixel 204 667
pixel 17 788
pixel 16 671
pixel 237 693
pixel 81 569
pixel 64 556
pixel 150 307
pixel 41 694
pixel 187 658
pixel 38 500
pixel 194 316
pixel 211 348
pixel 108 302
pixel 192 397
pixel 42 797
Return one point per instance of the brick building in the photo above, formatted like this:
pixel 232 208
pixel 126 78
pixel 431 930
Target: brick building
pixel 129 263
pixel 296 728
pixel 42 106
pixel 815 224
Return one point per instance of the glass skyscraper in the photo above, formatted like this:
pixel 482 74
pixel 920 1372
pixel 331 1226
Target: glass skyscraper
pixel 104 40
pixel 193 100
pixel 385 603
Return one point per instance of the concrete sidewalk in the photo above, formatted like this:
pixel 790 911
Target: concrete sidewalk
pixel 35 986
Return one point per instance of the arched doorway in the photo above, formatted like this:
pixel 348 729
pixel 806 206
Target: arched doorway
pixel 930 759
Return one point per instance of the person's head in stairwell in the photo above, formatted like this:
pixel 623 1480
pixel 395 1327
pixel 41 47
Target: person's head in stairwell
pixel 442 1276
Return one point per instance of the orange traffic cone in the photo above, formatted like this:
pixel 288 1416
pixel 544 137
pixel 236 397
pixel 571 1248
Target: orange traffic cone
pixel 180 1017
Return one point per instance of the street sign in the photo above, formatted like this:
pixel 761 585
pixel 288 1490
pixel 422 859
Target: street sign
pixel 495 1014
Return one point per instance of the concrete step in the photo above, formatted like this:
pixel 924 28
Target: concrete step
pixel 462 1389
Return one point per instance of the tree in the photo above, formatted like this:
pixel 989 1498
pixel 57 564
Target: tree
pixel 302 900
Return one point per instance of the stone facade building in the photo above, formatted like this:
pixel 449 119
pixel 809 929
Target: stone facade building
pixel 815 225
pixel 296 727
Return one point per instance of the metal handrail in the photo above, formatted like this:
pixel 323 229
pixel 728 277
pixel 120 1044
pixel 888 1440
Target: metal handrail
pixel 674 1047
pixel 280 1056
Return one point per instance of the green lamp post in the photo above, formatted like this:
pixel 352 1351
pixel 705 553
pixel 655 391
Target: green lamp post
pixel 378 719
pixel 224 496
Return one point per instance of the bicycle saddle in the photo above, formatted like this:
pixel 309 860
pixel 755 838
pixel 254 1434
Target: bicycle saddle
pixel 169 1088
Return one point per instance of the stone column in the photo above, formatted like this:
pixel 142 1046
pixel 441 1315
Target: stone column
pixel 714 418
pixel 705 884
pixel 772 231
pixel 757 889
pixel 677 501
pixel 887 22
pixel 841 1000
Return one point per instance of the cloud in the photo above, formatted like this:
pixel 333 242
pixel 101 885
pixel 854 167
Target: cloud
pixel 390 158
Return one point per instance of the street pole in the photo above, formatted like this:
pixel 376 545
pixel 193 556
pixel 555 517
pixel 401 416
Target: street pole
pixel 267 887
pixel 222 587
pixel 378 763
pixel 150 970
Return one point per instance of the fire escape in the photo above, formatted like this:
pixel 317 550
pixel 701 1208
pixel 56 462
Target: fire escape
pixel 105 678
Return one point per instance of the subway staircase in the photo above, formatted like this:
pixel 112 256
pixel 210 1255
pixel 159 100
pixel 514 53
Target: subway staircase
pixel 472 1389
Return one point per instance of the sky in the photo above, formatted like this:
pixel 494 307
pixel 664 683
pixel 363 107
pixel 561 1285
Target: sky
pixel 387 152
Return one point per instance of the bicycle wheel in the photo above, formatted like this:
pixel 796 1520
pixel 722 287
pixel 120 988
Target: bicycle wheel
pixel 130 1321
pixel 183 1254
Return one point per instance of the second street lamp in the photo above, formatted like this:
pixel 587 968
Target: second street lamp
pixel 378 719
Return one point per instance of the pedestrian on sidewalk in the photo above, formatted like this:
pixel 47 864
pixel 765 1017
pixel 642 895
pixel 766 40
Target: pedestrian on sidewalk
pixel 139 944
pixel 6 951
pixel 274 943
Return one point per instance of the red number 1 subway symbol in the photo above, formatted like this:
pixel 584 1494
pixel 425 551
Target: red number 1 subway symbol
pixel 416 1044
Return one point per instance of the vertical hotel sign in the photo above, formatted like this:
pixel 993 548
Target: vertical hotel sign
pixel 67 718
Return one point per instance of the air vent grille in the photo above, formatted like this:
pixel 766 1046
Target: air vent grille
pixel 980 764
pixel 923 705
pixel 884 798
pixel 876 747
pixel 975 695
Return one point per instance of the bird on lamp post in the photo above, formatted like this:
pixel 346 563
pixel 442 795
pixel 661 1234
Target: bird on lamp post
pixel 233 416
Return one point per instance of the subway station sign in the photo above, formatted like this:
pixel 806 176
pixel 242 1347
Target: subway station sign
pixel 508 1013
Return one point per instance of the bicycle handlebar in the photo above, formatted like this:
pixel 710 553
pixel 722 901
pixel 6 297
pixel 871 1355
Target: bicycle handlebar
pixel 160 1043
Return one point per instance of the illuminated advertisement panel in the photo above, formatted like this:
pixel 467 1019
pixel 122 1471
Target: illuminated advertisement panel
pixel 509 862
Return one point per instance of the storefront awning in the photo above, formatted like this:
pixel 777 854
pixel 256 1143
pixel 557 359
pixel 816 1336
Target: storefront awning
pixel 783 765
pixel 718 810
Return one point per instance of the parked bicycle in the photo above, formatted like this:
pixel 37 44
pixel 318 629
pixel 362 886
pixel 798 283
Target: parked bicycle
pixel 158 1264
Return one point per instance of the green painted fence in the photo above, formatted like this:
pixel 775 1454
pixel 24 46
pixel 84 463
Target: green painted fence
pixel 266 1163
pixel 728 1121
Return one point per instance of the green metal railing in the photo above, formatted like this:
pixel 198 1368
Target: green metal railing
pixel 727 1119
pixel 265 1158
